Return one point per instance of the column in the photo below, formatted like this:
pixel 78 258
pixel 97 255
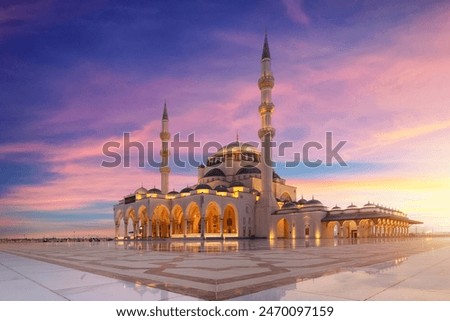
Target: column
pixel 150 228
pixel 202 226
pixel 116 230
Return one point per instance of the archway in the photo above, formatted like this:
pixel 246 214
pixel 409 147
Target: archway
pixel 283 229
pixel 178 220
pixel 160 222
pixel 333 230
pixel 212 219
pixel 350 229
pixel 130 219
pixel 193 219
pixel 143 222
pixel 229 220
pixel 285 197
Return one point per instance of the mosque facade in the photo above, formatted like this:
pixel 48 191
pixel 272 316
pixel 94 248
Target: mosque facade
pixel 239 195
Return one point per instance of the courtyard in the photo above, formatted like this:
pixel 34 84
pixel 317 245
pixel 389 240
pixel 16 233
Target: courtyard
pixel 364 269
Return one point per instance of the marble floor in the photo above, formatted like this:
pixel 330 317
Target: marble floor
pixel 390 269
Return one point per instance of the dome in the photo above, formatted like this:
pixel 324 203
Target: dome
pixel 154 190
pixel 173 192
pixel 314 202
pixel 202 186
pixel 186 190
pixel 215 172
pixel 236 184
pixel 352 206
pixel 302 201
pixel 289 205
pixel 248 170
pixel 238 147
pixel 221 188
pixel 141 190
pixel 336 208
pixel 202 166
pixel 369 204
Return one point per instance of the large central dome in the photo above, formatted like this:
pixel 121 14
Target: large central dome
pixel 236 150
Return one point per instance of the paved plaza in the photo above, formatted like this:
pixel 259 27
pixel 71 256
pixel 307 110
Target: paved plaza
pixel 389 269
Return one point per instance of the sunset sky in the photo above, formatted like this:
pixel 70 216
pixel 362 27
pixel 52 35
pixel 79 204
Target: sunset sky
pixel 75 75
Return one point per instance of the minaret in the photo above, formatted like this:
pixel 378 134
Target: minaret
pixel 267 203
pixel 165 136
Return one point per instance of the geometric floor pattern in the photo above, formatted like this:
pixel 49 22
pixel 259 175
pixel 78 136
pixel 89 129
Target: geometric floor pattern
pixel 236 269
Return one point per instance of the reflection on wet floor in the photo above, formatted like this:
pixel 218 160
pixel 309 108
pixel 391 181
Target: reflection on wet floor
pixel 366 269
pixel 211 246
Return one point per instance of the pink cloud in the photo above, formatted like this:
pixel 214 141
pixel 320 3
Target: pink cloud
pixel 295 11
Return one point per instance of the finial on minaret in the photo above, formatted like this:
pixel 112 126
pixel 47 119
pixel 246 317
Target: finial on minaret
pixel 165 115
pixel 237 135
pixel 266 52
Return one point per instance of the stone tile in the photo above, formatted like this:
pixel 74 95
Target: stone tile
pixel 26 290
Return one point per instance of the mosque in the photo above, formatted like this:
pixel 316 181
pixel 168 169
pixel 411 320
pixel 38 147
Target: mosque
pixel 238 195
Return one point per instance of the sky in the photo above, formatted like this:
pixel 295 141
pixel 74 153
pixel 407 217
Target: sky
pixel 75 75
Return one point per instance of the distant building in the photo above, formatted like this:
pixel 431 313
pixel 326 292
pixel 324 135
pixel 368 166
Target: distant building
pixel 238 195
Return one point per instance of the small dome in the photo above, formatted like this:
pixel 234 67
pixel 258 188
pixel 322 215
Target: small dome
pixel 314 202
pixel 154 190
pixel 202 186
pixel 369 204
pixel 236 184
pixel 248 170
pixel 352 206
pixel 202 166
pixel 215 172
pixel 302 201
pixel 141 190
pixel 336 208
pixel 221 188
pixel 289 205
pixel 173 192
pixel 186 190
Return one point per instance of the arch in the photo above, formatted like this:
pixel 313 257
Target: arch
pixel 286 197
pixel 160 222
pixel 193 219
pixel 130 216
pixel 365 228
pixel 212 218
pixel 350 229
pixel 143 220
pixel 333 229
pixel 230 220
pixel 282 228
pixel 178 223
